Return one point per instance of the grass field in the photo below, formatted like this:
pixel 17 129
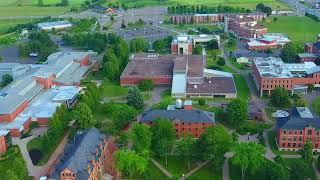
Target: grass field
pixel 299 29
pixel 206 173
pixel 13 11
pixel 6 24
pixel 242 87
pixel 235 3
pixel 35 2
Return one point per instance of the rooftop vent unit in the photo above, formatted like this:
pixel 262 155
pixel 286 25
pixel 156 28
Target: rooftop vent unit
pixel 195 86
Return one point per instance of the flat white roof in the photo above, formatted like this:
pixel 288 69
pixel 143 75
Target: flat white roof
pixel 3 132
pixel 179 83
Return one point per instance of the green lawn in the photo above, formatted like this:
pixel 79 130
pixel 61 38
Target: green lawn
pixel 6 24
pixel 309 170
pixel 13 11
pixel 110 89
pixel 274 147
pixel 206 173
pixel 243 91
pixel 235 3
pixel 316 105
pixel 177 165
pixel 35 2
pixel 299 29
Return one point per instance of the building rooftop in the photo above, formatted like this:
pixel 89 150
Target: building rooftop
pixel 299 118
pixel 273 67
pixel 52 24
pixel 269 39
pixel 179 83
pixel 3 132
pixel 215 85
pixel 307 55
pixel 187 116
pixel 79 152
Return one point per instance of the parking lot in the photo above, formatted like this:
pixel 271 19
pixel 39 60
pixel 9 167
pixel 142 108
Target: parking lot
pixel 150 33
pixel 244 52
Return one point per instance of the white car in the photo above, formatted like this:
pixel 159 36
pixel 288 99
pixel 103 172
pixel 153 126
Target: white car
pixel 33 54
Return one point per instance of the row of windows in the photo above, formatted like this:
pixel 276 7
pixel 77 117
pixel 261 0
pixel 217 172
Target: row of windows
pixel 277 81
pixel 298 145
pixel 309 132
pixel 68 174
pixel 295 139
pixel 186 129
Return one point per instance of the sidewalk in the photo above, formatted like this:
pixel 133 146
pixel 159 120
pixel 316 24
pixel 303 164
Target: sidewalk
pixel 166 172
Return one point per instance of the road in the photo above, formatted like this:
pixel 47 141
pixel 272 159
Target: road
pixel 302 9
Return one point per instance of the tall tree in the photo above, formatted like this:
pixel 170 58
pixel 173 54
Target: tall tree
pixel 163 137
pixel 248 155
pixel 299 171
pixel 130 163
pixel 140 134
pixel 280 97
pixel 306 152
pixel 289 53
pixel 214 143
pixel 40 3
pixel 6 79
pixel 83 116
pixel 138 45
pixel 65 2
pixel 279 172
pixel 135 98
pixel 237 112
pixel 121 114
pixel 187 148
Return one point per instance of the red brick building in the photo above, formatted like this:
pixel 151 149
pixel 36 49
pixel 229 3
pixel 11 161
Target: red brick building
pixel 270 73
pixel 5 141
pixel 186 122
pixel 88 157
pixel 312 51
pixel 294 131
pixel 182 45
pixel 244 26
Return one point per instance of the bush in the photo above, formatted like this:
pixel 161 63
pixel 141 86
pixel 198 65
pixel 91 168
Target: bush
pixel 202 102
pixel 221 61
pixel 146 85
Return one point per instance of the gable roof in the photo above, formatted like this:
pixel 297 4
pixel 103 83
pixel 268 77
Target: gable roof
pixel 189 116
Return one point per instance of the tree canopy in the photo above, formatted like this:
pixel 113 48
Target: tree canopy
pixel 146 85
pixel 289 53
pixel 306 152
pixel 135 98
pixel 83 116
pixel 140 135
pixel 130 163
pixel 237 112
pixel 280 97
pixel 6 79
pixel 121 114
pixel 138 45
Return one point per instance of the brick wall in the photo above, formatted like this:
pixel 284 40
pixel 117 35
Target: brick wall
pixel 14 114
pixel 3 145
pixel 43 121
pixel 161 81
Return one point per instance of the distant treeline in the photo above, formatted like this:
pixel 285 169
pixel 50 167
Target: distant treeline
pixel 312 16
pixel 187 9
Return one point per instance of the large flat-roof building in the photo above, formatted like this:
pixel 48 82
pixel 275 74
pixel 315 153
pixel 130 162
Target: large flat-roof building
pixel 268 41
pixel 270 73
pixel 33 96
pixel 186 74
pixel 293 131
pixel 47 26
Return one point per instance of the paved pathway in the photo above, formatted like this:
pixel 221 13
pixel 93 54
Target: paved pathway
pixel 165 171
pixel 225 168
pixel 316 170
pixel 195 169
pixel 38 171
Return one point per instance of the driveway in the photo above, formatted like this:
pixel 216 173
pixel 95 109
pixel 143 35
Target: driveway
pixel 11 55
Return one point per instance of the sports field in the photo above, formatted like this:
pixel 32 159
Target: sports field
pixel 35 2
pixel 299 29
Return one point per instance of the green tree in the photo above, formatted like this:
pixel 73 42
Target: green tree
pixel 202 102
pixel 111 69
pixel 138 45
pixel 187 147
pixel 248 155
pixel 83 116
pixel 6 79
pixel 237 112
pixel 289 53
pixel 214 143
pixel 298 171
pixel 135 98
pixel 163 137
pixel 130 163
pixel 40 3
pixel 140 134
pixel 159 46
pixel 146 85
pixel 279 172
pixel 306 152
pixel 280 98
pixel 65 2
pixel 300 102
pixel 121 114
pixel 221 61
pixel 213 44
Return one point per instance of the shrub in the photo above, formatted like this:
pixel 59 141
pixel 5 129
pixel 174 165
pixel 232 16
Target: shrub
pixel 202 102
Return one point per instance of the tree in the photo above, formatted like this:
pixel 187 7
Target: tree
pixel 187 148
pixel 9 174
pixel 213 44
pixel 279 172
pixel 221 61
pixel 130 163
pixel 121 114
pixel 299 170
pixel 135 98
pixel 300 102
pixel 40 3
pixel 65 2
pixel 237 112
pixel 289 53
pixel 159 46
pixel 146 85
pixel 138 45
pixel 111 69
pixel 214 143
pixel 280 97
pixel 6 79
pixel 248 155
pixel 201 102
pixel 163 137
pixel 306 152
pixel 83 116
pixel 140 134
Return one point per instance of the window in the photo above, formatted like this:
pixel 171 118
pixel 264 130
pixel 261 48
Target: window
pixel 176 124
pixel 294 138
pixel 289 132
pixel 283 144
pixel 295 132
pixel 299 145
pixel 300 132
pixel 284 132
pixel 294 144
pixel 316 145
pixel 289 144
pixel 309 132
pixel 283 138
pixel 300 138
pixel 182 129
pixel 317 132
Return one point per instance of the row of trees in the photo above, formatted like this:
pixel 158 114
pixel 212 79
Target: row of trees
pixel 280 98
pixel 203 9
pixel 162 45
pixel 61 3
pixel 41 43
pixel 312 16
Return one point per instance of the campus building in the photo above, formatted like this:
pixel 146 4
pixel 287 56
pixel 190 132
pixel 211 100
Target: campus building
pixel 35 94
pixel 312 51
pixel 5 141
pixel 294 131
pixel 186 122
pixel 58 25
pixel 184 73
pixel 268 41
pixel 89 156
pixel 270 73
pixel 183 44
